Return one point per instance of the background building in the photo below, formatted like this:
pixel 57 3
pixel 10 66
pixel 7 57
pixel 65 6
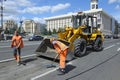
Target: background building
pixel 30 27
pixel 106 23
pixel 57 22
pixel 9 24
pixel 94 4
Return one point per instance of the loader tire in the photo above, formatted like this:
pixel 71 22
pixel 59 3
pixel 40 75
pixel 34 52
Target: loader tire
pixel 98 45
pixel 80 47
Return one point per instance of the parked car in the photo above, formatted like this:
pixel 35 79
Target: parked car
pixel 115 37
pixel 35 38
pixel 108 36
pixel 23 35
pixel 8 37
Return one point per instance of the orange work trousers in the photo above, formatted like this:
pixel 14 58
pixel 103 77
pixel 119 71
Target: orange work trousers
pixel 17 57
pixel 63 55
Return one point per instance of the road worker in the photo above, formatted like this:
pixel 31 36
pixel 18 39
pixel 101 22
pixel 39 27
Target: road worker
pixel 62 50
pixel 17 44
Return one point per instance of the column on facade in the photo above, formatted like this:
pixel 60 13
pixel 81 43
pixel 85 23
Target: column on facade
pixel 31 27
pixel 58 23
pixel 54 23
pixel 51 25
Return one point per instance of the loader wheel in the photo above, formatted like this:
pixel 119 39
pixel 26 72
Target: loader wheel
pixel 80 47
pixel 98 44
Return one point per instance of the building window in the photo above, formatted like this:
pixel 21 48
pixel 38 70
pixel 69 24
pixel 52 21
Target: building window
pixel 93 6
pixel 99 26
pixel 94 0
pixel 96 6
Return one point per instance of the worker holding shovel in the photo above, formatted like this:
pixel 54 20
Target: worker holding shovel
pixel 62 50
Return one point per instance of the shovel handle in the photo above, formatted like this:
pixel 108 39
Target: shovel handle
pixel 56 57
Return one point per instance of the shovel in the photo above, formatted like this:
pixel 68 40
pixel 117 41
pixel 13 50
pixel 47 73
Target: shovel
pixel 52 64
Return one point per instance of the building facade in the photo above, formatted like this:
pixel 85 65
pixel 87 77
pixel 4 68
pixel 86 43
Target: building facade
pixel 59 21
pixel 30 27
pixel 9 24
pixel 105 22
pixel 94 4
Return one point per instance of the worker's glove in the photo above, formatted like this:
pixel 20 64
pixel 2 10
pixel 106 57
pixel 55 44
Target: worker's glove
pixel 61 51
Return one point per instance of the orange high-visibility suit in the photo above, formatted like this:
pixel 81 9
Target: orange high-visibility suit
pixel 17 43
pixel 62 50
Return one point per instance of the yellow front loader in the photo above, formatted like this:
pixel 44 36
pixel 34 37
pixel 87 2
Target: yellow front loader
pixel 85 32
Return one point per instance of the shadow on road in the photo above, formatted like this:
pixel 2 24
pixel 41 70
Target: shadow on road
pixel 49 58
pixel 69 68
pixel 90 50
pixel 29 60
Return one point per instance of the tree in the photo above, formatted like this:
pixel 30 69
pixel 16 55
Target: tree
pixel 54 31
pixel 49 32
pixel 61 29
pixel 6 31
pixel 12 30
pixel 19 30
pixel 44 32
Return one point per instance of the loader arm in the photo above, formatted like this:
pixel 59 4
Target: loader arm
pixel 70 34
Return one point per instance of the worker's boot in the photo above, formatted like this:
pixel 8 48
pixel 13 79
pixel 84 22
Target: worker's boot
pixel 18 60
pixel 62 70
pixel 18 63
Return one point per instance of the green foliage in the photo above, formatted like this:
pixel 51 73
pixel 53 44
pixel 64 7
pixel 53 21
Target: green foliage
pixel 44 31
pixel 6 31
pixel 19 30
pixel 61 29
pixel 12 30
pixel 49 32
pixel 54 31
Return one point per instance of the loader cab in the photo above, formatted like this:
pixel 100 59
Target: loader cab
pixel 89 21
pixel 77 21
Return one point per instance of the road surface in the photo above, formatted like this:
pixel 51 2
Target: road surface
pixel 104 65
pixel 29 48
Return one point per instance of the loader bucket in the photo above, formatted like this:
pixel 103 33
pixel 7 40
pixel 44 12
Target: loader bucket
pixel 46 49
pixel 43 46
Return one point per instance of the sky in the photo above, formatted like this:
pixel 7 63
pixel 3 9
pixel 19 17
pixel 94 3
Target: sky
pixel 37 10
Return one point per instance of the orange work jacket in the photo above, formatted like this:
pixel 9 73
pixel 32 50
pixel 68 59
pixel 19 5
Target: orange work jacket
pixel 16 40
pixel 60 44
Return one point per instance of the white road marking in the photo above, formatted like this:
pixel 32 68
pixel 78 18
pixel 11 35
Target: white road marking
pixel 117 43
pixel 6 60
pixel 35 54
pixel 4 46
pixel 118 49
pixel 69 63
pixel 5 51
pixel 25 45
pixel 48 72
pixel 44 74
pixel 13 58
pixel 109 47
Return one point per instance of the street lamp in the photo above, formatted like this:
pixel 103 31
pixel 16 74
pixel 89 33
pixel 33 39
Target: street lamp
pixel 21 26
pixel 2 13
